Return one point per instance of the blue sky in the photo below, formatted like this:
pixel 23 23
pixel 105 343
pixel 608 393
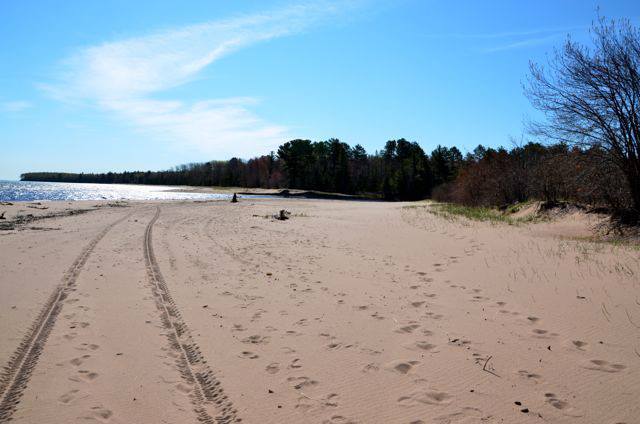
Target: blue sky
pixel 136 85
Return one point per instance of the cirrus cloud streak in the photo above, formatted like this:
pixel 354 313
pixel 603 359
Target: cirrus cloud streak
pixel 122 77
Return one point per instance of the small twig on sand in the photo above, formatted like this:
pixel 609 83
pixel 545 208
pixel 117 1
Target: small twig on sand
pixel 484 367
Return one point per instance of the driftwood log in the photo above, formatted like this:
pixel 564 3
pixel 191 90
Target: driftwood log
pixel 283 215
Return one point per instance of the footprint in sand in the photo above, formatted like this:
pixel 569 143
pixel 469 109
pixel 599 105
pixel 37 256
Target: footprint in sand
pixel 407 328
pixel 100 413
pixel 554 401
pixel 257 315
pixel 562 405
pixel 401 367
pixel 330 400
pixel 78 361
pixel 318 405
pixel 429 397
pixel 420 345
pixel 70 336
pixel 301 382
pixel 337 419
pixel 579 344
pixel 87 375
pixel 183 388
pixel 302 322
pixel 603 366
pixel 542 334
pixel 256 339
pixel 478 298
pixel 273 368
pixel 527 374
pixel 68 397
pixel 81 324
pixel 248 355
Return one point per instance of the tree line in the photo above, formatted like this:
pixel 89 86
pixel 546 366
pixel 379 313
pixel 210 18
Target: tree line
pixel 551 173
pixel 403 171
pixel 400 171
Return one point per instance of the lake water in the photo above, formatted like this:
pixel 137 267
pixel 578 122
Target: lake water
pixel 14 191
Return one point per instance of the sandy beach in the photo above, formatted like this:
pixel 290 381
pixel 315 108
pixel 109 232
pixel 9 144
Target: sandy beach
pixel 349 312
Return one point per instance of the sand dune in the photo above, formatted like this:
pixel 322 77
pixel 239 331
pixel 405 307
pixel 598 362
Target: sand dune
pixel 349 312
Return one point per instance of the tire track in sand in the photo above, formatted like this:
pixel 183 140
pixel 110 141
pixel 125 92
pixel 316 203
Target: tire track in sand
pixel 210 403
pixel 15 375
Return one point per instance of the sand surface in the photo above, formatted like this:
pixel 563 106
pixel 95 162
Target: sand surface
pixel 349 312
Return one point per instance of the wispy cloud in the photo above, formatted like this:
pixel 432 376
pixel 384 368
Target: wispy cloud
pixel 122 77
pixel 14 106
pixel 504 34
pixel 510 40
pixel 521 44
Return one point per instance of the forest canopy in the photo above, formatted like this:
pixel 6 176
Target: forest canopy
pixel 400 171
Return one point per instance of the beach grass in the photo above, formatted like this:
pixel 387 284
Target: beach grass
pixel 477 213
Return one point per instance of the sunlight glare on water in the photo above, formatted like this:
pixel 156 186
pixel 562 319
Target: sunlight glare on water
pixel 13 191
